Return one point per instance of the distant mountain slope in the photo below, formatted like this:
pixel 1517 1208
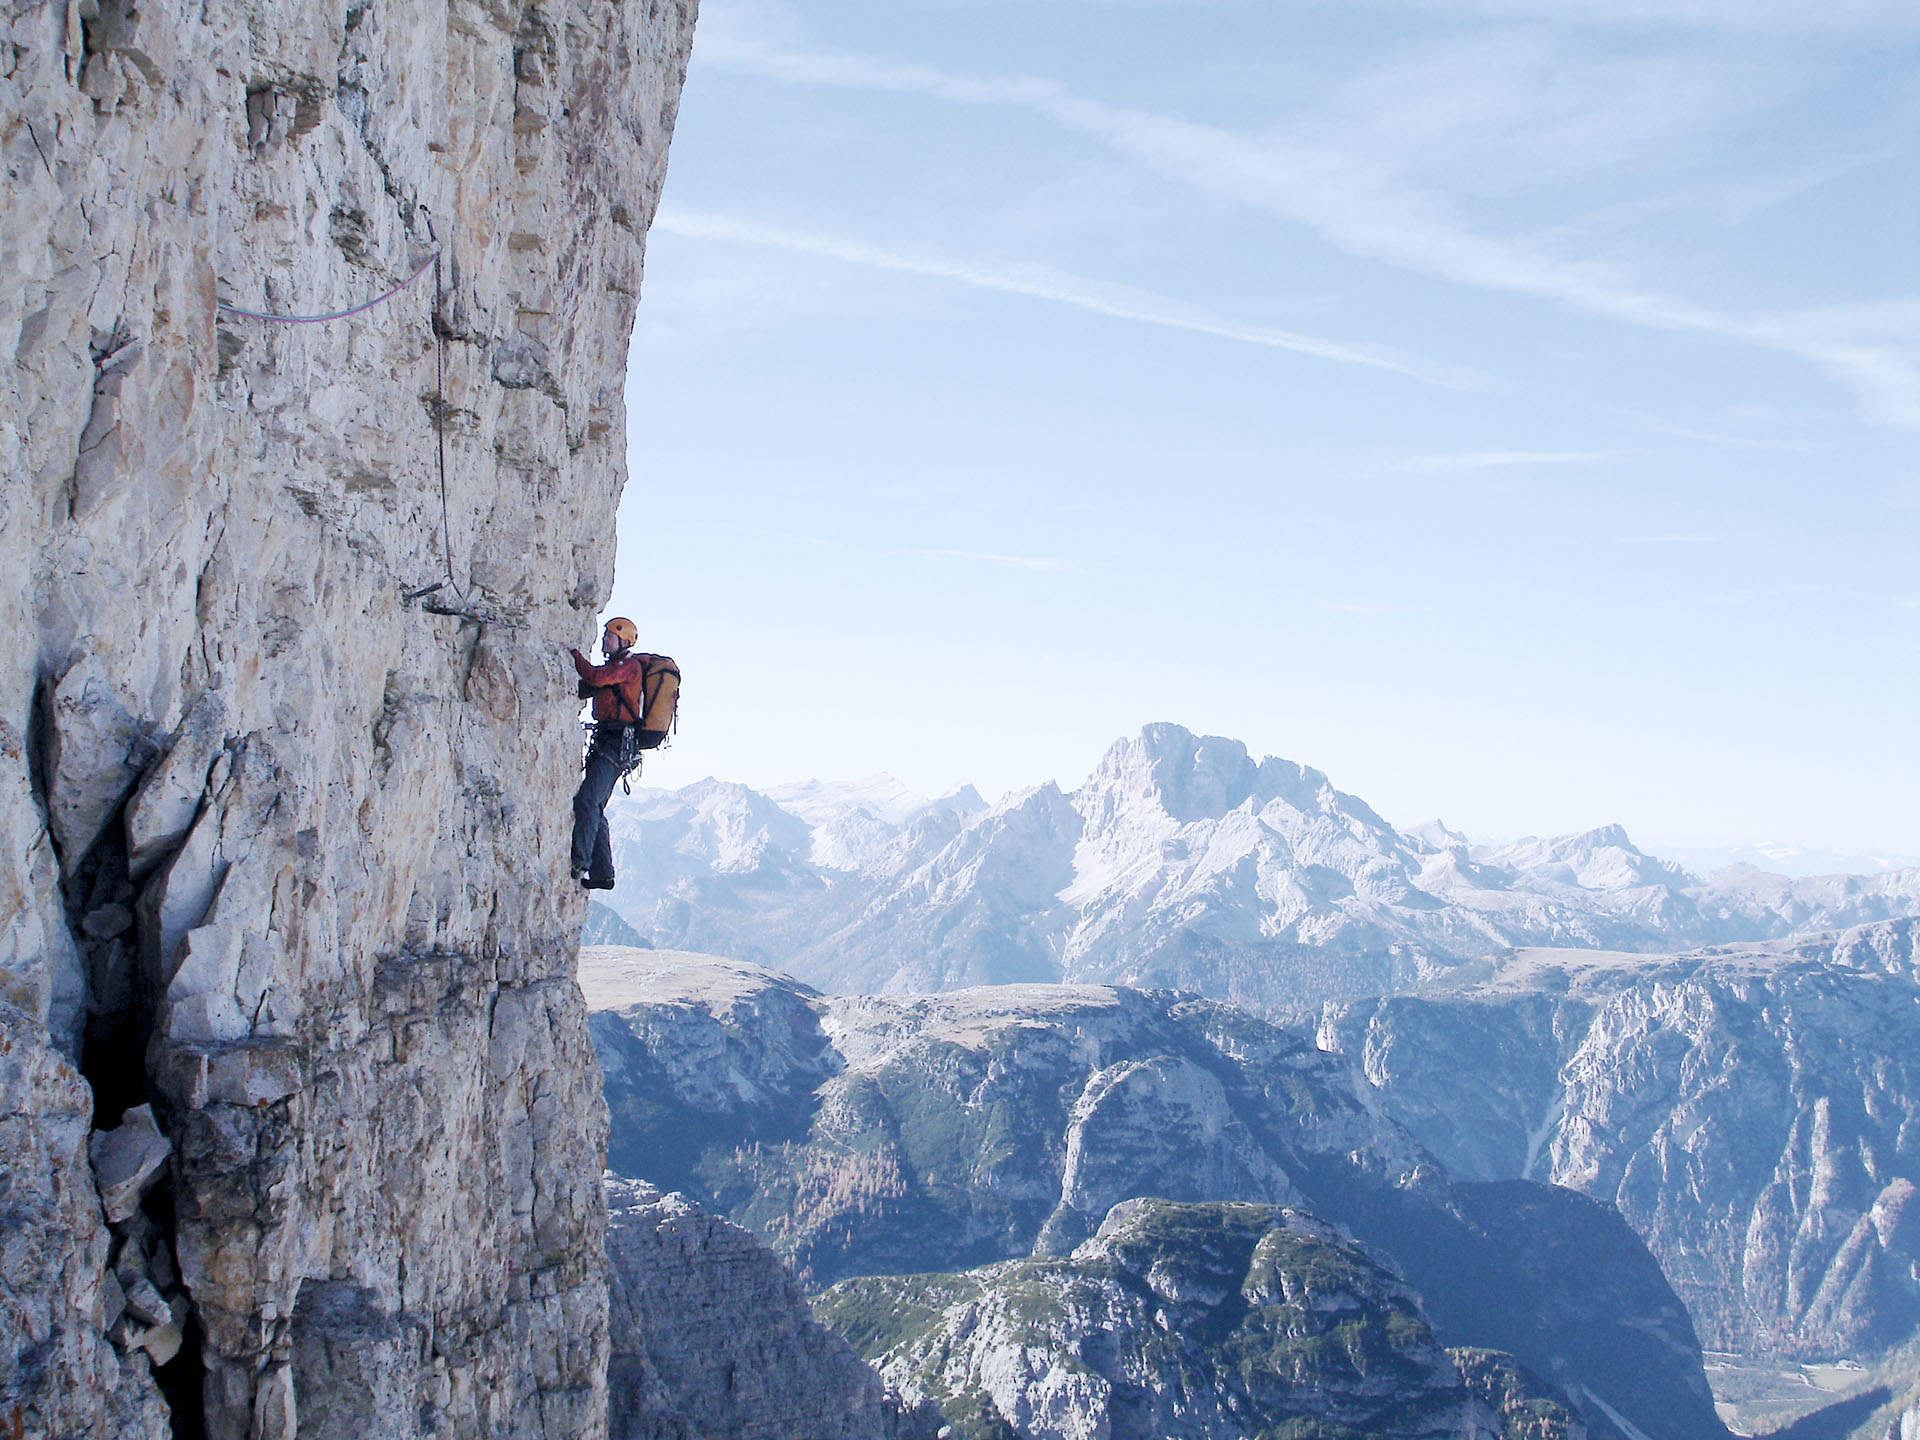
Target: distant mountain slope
pixel 1189 1322
pixel 604 927
pixel 1181 861
pixel 1753 1111
pixel 889 1135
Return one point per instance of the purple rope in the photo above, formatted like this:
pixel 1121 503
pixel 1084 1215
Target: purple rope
pixel 440 409
pixel 428 264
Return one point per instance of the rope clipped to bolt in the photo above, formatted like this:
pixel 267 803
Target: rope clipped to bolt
pixel 432 262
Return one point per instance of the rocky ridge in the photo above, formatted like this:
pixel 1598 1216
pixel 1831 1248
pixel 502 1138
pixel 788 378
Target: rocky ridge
pixel 1182 862
pixel 889 1135
pixel 1751 1111
pixel 1206 1322
pixel 712 1337
pixel 284 756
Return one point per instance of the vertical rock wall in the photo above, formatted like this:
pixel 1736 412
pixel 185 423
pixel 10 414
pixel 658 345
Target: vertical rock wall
pixel 282 851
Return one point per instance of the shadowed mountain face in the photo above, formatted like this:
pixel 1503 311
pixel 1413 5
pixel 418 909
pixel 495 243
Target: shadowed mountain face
pixel 866 1136
pixel 712 1337
pixel 1201 1322
pixel 1754 1113
pixel 1181 861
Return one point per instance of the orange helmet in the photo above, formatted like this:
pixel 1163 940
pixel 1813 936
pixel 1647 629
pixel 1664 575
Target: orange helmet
pixel 623 630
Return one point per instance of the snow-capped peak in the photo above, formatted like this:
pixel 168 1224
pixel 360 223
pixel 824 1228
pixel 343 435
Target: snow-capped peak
pixel 880 795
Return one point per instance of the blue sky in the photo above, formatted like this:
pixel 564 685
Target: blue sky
pixel 1510 407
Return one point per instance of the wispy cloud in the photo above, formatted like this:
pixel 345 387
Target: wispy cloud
pixel 1360 201
pixel 1744 442
pixel 1762 16
pixel 1010 562
pixel 1039 282
pixel 1765 16
pixel 1495 460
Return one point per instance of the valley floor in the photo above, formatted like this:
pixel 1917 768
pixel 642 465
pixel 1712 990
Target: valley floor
pixel 1758 1397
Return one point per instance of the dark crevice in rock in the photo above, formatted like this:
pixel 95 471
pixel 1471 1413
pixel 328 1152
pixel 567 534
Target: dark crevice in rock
pixel 40 751
pixel 101 914
pixel 132 1159
pixel 182 1379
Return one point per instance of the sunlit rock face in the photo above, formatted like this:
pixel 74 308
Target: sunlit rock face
pixel 282 853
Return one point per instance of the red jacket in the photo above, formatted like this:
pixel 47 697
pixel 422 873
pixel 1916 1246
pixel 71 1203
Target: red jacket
pixel 615 686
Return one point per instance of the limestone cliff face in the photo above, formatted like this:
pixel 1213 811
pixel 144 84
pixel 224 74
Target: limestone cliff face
pixel 282 852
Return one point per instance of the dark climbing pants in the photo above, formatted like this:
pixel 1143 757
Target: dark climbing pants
pixel 592 846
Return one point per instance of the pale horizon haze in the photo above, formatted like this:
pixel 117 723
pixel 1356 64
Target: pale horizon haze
pixel 1509 407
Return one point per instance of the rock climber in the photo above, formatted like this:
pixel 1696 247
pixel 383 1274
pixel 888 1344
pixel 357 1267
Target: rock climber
pixel 618 689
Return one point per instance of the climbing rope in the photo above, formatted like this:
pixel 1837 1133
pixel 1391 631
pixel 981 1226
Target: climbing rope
pixel 440 405
pixel 432 262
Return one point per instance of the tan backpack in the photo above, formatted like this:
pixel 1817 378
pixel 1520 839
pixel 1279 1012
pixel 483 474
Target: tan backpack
pixel 660 695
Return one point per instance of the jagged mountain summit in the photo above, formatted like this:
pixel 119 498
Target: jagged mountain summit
pixel 1181 861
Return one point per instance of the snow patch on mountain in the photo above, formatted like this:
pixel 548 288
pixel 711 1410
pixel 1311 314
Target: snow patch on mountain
pixel 1181 861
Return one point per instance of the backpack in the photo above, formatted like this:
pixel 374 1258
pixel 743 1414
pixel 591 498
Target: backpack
pixel 660 695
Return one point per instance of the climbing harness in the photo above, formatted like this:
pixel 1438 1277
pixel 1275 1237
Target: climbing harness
pixel 627 753
pixel 433 263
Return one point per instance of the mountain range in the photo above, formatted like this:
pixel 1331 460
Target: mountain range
pixel 867 1137
pixel 1566 1154
pixel 1181 861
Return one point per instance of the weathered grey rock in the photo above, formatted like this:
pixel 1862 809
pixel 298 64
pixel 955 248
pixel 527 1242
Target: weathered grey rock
pixel 1904 1423
pixel 713 1339
pixel 145 1305
pixel 280 850
pixel 59 1375
pixel 127 1160
pixel 163 809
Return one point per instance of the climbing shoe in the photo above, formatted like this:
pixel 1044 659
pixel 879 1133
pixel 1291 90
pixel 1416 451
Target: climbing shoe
pixel 589 883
